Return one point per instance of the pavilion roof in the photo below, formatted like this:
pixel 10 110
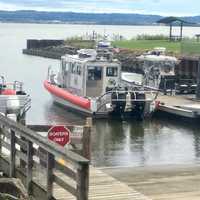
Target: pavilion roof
pixel 169 20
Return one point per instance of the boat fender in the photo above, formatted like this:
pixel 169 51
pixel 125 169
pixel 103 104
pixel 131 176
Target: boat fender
pixel 128 101
pixel 157 104
pixel 93 105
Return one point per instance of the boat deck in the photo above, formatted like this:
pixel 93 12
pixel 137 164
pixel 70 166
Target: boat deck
pixel 180 105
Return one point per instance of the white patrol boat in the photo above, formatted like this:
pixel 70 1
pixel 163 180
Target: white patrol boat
pixel 13 100
pixel 158 68
pixel 91 82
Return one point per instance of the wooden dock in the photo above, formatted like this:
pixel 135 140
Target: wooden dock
pixel 50 172
pixel 103 187
pixel 166 182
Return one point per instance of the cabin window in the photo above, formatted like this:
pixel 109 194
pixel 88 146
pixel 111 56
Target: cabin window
pixel 73 68
pixel 67 67
pixel 111 71
pixel 63 65
pixel 94 73
pixel 78 70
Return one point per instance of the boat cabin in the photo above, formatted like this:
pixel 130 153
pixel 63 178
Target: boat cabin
pixel 157 67
pixel 88 73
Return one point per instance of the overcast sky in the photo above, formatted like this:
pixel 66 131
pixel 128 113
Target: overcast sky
pixel 161 7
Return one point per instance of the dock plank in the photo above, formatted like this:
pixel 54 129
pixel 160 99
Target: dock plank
pixel 103 186
pixel 166 182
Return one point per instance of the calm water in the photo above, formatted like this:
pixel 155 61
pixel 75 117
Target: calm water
pixel 115 143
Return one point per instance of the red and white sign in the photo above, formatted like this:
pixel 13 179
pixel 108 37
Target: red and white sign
pixel 59 134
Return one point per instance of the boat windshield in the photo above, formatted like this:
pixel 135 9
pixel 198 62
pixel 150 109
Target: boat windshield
pixel 94 73
pixel 112 71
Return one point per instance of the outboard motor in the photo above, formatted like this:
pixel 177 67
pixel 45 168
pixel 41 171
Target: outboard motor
pixel 13 104
pixel 139 105
pixel 118 101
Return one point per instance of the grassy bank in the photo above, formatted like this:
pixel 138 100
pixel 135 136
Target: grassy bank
pixel 79 43
pixel 148 44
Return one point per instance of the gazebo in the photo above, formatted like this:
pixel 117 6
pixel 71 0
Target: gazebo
pixel 171 21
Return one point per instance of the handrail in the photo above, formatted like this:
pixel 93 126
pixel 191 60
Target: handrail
pixel 34 151
pixel 42 142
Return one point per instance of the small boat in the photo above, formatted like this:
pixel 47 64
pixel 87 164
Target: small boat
pixel 92 83
pixel 13 99
pixel 158 68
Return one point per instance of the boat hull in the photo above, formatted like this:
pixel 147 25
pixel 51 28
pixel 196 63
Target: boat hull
pixel 15 104
pixel 70 105
pixel 82 105
pixel 67 99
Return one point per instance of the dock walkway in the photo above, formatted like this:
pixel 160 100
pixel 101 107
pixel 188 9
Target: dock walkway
pixel 51 172
pixel 165 182
pixel 103 187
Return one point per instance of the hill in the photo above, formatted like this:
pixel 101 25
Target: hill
pixel 31 16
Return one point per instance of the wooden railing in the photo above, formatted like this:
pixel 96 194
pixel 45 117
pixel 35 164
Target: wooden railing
pixel 21 143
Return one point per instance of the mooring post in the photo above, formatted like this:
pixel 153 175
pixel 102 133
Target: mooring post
pixel 83 172
pixel 86 151
pixel 198 82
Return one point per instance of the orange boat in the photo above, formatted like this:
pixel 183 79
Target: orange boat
pixel 91 82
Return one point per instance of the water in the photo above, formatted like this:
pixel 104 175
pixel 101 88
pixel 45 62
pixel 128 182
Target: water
pixel 114 143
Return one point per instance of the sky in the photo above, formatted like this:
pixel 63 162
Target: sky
pixel 160 7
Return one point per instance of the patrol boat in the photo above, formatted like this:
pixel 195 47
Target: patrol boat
pixel 14 101
pixel 92 83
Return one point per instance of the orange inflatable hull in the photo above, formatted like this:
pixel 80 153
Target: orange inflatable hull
pixel 63 94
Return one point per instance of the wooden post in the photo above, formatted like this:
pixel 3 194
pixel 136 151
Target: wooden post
pixel 83 182
pixel 181 32
pixel 198 82
pixel 86 151
pixel 89 121
pixel 50 166
pixel 29 166
pixel 12 154
pixel 170 32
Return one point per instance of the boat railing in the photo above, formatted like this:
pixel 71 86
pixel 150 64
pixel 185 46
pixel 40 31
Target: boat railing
pixel 16 85
pixel 106 97
pixel 151 92
pixel 27 104
pixel 2 80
